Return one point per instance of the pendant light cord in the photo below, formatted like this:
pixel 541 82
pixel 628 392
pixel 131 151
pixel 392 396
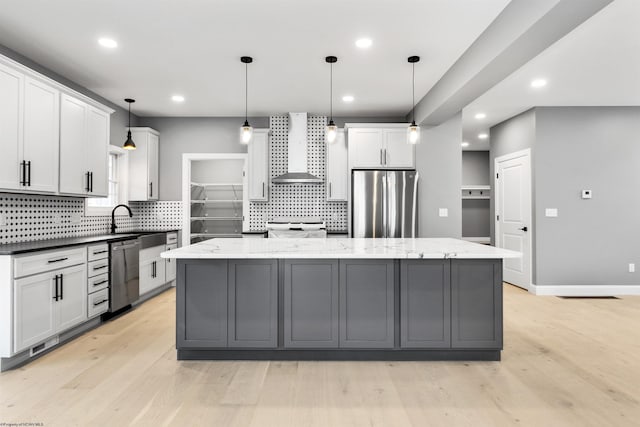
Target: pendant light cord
pixel 331 92
pixel 129 117
pixel 413 92
pixel 246 90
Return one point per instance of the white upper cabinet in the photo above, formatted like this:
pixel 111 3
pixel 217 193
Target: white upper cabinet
pixel 337 178
pixel 143 165
pixel 36 113
pixel 380 146
pixel 258 179
pixel 84 139
pixel 11 127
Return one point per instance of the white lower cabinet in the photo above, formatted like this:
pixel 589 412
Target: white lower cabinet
pixel 152 269
pixel 48 303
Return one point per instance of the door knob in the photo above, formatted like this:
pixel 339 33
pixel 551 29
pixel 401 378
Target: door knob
pixel 523 228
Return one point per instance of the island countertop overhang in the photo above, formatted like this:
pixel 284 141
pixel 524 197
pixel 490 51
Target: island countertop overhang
pixel 357 248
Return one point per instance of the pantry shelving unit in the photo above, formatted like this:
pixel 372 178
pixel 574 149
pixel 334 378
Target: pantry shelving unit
pixel 476 197
pixel 215 196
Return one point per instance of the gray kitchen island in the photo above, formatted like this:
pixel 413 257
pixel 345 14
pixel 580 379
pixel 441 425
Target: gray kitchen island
pixel 339 299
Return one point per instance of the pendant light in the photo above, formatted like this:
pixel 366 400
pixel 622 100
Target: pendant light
pixel 129 144
pixel 413 131
pixel 332 130
pixel 246 131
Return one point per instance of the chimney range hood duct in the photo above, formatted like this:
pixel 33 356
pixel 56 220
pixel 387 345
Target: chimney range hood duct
pixel 297 172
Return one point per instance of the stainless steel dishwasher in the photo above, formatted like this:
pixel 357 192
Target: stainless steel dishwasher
pixel 125 273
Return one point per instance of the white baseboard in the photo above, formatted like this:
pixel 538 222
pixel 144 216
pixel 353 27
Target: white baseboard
pixel 585 290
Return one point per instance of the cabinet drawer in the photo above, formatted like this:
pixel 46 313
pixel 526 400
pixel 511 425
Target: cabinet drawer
pixel 172 238
pixel 150 254
pixel 98 252
pixel 47 261
pixel 97 283
pixel 98 267
pixel 98 302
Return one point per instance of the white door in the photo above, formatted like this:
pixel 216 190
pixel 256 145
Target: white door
pixel 97 151
pixel 365 148
pixel 72 306
pixel 397 153
pixel 513 214
pixel 153 158
pixel 258 151
pixel 73 152
pixel 11 127
pixel 41 135
pixel 33 317
pixel 337 178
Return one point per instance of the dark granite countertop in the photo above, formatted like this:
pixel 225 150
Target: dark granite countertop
pixel 43 245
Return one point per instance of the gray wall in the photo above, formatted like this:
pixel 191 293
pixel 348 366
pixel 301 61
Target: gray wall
pixel 119 119
pixel 439 162
pixel 591 242
pixel 180 135
pixel 475 168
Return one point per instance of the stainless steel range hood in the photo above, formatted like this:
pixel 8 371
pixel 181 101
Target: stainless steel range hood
pixel 297 154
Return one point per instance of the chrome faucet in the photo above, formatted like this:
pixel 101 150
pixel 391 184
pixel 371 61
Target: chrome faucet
pixel 113 217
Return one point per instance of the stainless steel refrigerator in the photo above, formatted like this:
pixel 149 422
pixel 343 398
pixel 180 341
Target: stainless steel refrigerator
pixel 384 203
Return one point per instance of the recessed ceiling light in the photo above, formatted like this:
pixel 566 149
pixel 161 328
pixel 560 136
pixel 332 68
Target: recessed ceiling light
pixel 465 144
pixel 348 98
pixel 480 116
pixel 364 43
pixel 108 43
pixel 538 83
pixel 483 136
pixel 177 98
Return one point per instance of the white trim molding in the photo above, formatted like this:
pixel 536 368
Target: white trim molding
pixel 585 290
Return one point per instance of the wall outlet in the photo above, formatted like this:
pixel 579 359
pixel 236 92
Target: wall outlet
pixel 3 220
pixel 551 212
pixel 56 219
pixel 632 268
pixel 75 218
pixel 443 212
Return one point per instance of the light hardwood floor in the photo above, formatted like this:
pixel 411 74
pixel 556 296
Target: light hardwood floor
pixel 566 362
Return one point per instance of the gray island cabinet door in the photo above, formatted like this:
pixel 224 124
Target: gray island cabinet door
pixel 201 305
pixel 311 303
pixel 476 304
pixel 366 303
pixel 253 303
pixel 425 304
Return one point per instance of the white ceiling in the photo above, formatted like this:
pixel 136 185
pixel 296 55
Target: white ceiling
pixel 192 47
pixel 597 64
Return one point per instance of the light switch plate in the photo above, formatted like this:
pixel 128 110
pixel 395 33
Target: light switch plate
pixel 3 220
pixel 551 212
pixel 56 218
pixel 443 212
pixel 586 194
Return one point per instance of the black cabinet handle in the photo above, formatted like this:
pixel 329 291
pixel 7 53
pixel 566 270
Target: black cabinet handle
pixel 100 283
pixel 55 297
pixel 523 228
pixel 23 175
pixel 87 188
pixel 29 173
pixel 51 261
pixel 100 252
pixel 62 286
pixel 91 182
pixel 151 189
pixel 100 267
pixel 101 302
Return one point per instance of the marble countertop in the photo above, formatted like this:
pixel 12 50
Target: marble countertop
pixel 429 248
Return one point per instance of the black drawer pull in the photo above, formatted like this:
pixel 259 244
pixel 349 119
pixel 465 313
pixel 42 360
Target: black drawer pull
pixel 100 267
pixel 101 252
pixel 51 261
pixel 101 302
pixel 100 283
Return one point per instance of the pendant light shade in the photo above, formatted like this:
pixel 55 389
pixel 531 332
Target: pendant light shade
pixel 129 144
pixel 413 131
pixel 246 131
pixel 331 131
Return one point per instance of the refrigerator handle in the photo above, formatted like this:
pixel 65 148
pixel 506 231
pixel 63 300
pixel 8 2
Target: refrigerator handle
pixel 385 208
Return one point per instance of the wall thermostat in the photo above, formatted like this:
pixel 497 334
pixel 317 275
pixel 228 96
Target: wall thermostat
pixel 586 194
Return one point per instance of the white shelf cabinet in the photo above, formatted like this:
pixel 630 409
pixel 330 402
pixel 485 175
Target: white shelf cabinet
pixel 143 165
pixel 337 170
pixel 37 314
pixel 380 146
pixel 258 171
pixel 29 137
pixel 84 141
